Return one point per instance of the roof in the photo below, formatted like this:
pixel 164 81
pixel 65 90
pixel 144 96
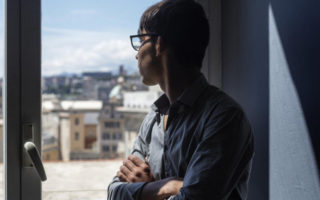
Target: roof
pixel 47 105
pixel 81 105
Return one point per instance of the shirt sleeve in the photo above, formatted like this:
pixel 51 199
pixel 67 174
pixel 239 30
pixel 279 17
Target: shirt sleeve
pixel 220 158
pixel 118 190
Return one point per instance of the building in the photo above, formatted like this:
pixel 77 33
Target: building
pixel 79 129
pixel 111 123
pixel 70 129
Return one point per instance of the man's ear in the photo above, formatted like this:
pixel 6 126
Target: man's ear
pixel 160 47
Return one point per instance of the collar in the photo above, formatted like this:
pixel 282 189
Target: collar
pixel 191 94
pixel 188 96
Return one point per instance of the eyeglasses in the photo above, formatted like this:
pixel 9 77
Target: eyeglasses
pixel 137 42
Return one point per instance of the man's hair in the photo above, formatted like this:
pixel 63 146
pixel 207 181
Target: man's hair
pixel 183 26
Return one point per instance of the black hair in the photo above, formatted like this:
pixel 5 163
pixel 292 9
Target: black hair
pixel 183 26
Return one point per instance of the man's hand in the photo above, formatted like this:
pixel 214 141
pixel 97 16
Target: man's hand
pixel 135 170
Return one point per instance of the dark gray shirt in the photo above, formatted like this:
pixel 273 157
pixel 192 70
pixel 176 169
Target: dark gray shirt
pixel 208 143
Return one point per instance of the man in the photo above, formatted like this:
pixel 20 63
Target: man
pixel 196 142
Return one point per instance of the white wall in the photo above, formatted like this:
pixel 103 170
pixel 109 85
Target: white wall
pixel 293 169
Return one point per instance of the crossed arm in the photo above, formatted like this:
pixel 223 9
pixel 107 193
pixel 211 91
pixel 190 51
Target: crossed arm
pixel 135 170
pixel 220 167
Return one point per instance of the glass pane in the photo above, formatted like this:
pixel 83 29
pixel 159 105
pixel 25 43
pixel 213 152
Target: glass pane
pixel 93 99
pixel 1 84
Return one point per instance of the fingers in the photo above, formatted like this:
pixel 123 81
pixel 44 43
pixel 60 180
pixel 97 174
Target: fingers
pixel 139 163
pixel 129 164
pixel 122 177
pixel 135 159
pixel 124 170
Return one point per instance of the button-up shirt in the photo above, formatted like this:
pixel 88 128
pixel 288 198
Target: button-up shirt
pixel 208 143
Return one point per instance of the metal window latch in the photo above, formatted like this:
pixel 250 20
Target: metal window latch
pixel 31 156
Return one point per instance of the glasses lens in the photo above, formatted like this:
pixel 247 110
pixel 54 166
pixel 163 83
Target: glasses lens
pixel 136 43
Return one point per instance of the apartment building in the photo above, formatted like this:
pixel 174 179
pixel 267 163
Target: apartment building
pixel 79 130
pixel 111 124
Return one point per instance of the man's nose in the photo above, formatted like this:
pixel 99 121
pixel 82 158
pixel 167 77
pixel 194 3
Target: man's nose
pixel 137 55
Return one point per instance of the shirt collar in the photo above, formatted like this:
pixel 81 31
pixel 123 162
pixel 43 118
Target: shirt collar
pixel 191 94
pixel 161 104
pixel 188 97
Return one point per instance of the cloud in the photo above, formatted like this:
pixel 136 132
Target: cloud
pixel 76 51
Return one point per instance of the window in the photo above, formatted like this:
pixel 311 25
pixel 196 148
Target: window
pixel 106 136
pixel 76 121
pixel 107 125
pixel 114 148
pixel 76 136
pixel 106 148
pixel 117 136
pixel 112 124
pixel 59 59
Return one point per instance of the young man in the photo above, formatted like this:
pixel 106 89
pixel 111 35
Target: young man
pixel 196 142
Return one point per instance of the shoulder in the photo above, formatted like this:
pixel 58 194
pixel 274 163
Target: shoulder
pixel 147 123
pixel 217 102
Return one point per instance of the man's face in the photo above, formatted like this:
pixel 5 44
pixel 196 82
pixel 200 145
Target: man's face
pixel 148 63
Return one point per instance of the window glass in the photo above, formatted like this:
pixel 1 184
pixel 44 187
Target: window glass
pixel 106 136
pixel 76 121
pixel 76 136
pixel 89 78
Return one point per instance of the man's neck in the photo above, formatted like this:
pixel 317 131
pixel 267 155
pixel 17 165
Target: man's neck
pixel 176 80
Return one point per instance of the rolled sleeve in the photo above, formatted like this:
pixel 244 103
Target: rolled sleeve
pixel 121 190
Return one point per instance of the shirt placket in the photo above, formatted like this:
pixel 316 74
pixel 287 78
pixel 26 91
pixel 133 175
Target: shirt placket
pixel 174 112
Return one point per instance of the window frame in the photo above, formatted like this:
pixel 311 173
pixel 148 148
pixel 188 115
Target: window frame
pixel 22 87
pixel 22 95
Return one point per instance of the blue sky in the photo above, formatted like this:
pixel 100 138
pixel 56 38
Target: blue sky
pixel 86 35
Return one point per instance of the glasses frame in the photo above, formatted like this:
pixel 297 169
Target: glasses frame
pixel 145 41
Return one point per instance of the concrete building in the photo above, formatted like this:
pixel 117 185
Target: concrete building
pixel 50 149
pixel 79 129
pixel 70 129
pixel 111 124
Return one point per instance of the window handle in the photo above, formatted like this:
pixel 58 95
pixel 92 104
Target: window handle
pixel 35 158
pixel 31 155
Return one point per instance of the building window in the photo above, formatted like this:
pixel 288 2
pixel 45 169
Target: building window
pixel 114 148
pixel 106 148
pixel 112 124
pixel 76 136
pixel 76 121
pixel 117 136
pixel 118 124
pixel 106 136
pixel 107 124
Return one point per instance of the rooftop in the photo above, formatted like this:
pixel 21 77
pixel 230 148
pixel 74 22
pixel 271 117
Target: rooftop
pixel 76 180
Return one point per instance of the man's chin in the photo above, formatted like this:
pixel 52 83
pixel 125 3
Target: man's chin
pixel 148 82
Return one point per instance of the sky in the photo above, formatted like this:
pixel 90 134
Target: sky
pixel 86 35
